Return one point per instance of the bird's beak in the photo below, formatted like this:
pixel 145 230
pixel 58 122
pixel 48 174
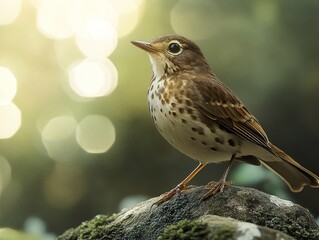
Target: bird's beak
pixel 148 47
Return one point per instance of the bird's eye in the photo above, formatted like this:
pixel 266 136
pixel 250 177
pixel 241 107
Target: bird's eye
pixel 174 48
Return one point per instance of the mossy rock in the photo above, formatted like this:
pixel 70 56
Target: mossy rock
pixel 186 229
pixel 212 227
pixel 97 228
pixel 226 215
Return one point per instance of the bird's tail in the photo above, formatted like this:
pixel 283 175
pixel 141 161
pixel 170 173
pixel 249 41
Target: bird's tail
pixel 295 175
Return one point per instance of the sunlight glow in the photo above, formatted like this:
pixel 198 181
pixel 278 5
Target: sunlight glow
pixel 92 21
pixel 96 38
pixel 53 18
pixel 8 86
pixel 129 14
pixel 86 10
pixel 127 22
pixel 9 11
pixel 59 128
pixel 95 26
pixel 58 137
pixel 124 6
pixel 10 120
pixel 95 134
pixel 93 78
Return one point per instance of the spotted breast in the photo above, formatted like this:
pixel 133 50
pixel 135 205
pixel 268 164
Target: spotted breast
pixel 179 122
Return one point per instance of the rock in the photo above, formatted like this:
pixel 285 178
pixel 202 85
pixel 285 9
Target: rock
pixel 216 227
pixel 237 213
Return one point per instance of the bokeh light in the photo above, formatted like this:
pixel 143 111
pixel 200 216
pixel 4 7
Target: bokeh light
pixel 96 38
pixel 131 201
pixel 95 134
pixel 37 227
pixel 129 14
pixel 9 11
pixel 53 18
pixel 93 78
pixel 84 11
pixel 10 120
pixel 5 172
pixel 127 22
pixel 94 23
pixel 58 138
pixel 124 6
pixel 8 86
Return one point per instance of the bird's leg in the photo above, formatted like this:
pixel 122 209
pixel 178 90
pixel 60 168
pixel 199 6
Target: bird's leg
pixel 220 185
pixel 182 186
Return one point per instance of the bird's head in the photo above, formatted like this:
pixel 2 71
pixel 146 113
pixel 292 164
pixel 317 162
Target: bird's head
pixel 172 53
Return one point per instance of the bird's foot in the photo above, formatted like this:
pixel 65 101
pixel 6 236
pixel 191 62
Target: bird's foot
pixel 215 187
pixel 179 188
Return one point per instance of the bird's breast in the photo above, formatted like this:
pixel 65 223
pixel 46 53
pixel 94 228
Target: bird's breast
pixel 179 122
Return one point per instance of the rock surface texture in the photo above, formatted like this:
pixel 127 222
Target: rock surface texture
pixel 237 213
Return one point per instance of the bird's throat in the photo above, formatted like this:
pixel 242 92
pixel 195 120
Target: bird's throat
pixel 158 66
pixel 162 66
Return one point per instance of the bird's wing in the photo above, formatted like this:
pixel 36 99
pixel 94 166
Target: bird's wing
pixel 223 106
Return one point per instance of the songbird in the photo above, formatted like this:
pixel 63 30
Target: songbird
pixel 202 118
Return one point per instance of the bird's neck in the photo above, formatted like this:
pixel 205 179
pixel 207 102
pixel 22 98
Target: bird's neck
pixel 161 67
pixel 158 67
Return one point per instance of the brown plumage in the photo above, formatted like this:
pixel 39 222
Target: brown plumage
pixel 234 116
pixel 228 130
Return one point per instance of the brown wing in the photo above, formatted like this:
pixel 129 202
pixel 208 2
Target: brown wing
pixel 223 106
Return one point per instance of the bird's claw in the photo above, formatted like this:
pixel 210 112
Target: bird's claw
pixel 179 188
pixel 215 187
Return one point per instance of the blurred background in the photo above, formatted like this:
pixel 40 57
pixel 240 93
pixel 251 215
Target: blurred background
pixel 76 137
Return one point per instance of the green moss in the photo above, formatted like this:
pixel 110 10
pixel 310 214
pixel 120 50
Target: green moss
pixel 185 229
pixel 97 228
pixel 294 228
pixel 195 230
pixel 222 233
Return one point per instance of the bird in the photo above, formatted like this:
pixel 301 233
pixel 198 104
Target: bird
pixel 204 119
